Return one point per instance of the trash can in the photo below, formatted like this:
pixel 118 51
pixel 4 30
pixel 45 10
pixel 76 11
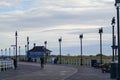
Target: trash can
pixel 113 70
pixel 93 62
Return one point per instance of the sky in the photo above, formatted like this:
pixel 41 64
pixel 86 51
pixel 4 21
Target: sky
pixel 48 20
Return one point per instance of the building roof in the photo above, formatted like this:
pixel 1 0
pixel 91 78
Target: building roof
pixel 39 49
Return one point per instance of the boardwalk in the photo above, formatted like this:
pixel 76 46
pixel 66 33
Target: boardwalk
pixel 32 71
pixel 88 73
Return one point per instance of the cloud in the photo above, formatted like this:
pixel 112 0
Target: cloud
pixel 4 4
pixel 55 13
pixel 43 20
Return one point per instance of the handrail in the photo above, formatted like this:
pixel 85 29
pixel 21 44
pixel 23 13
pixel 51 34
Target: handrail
pixel 6 64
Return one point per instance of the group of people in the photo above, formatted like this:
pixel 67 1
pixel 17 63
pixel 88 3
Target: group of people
pixel 42 62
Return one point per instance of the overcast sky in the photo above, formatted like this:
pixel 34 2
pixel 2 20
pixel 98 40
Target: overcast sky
pixel 48 20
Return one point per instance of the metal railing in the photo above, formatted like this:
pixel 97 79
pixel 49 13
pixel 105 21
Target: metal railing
pixel 6 64
pixel 77 61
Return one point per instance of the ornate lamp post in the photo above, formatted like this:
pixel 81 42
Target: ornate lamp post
pixel 25 49
pixel 27 43
pixel 113 40
pixel 2 53
pixel 60 40
pixel 16 46
pixel 81 36
pixel 26 52
pixel 5 52
pixel 100 32
pixel 9 52
pixel 34 44
pixel 45 44
pixel 117 4
pixel 45 51
pixel 19 53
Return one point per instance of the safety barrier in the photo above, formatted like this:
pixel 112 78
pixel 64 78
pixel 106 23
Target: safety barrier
pixel 77 61
pixel 6 64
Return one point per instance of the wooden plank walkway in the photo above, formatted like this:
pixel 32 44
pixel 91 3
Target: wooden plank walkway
pixel 32 71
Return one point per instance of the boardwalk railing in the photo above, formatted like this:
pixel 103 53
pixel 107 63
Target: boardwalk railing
pixel 6 64
pixel 77 61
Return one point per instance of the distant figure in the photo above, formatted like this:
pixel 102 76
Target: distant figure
pixel 42 62
pixel 52 60
pixel 56 60
pixel 15 63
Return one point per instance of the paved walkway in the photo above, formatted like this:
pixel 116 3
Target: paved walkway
pixel 32 71
pixel 89 73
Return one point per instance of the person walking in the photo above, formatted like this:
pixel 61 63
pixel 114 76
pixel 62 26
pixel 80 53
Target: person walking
pixel 15 63
pixel 42 62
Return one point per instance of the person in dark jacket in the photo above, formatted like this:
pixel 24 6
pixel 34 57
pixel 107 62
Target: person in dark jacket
pixel 15 63
pixel 42 62
pixel 56 60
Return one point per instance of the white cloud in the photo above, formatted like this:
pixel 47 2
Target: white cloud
pixel 49 19
pixel 4 4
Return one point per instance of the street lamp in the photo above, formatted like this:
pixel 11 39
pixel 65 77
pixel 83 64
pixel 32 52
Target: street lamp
pixel 100 32
pixel 16 47
pixel 117 4
pixel 27 44
pixel 45 44
pixel 9 52
pixel 5 52
pixel 113 40
pixel 81 36
pixel 2 53
pixel 19 53
pixel 25 49
pixel 45 51
pixel 34 44
pixel 60 40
